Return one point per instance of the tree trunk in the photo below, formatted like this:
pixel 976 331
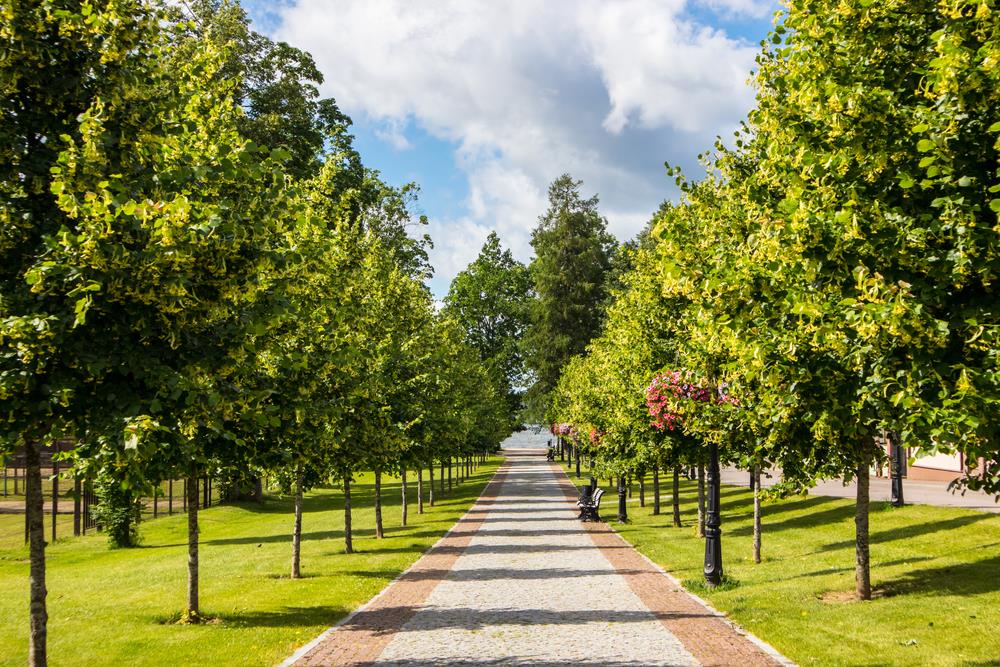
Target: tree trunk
pixel 862 572
pixel 297 526
pixel 756 514
pixel 628 485
pixel 442 476
pixel 379 531
pixel 642 490
pixel 449 474
pixel 34 512
pixel 656 490
pixel 420 490
pixel 403 490
pixel 193 613
pixel 430 483
pixel 701 500
pixel 677 496
pixel 348 541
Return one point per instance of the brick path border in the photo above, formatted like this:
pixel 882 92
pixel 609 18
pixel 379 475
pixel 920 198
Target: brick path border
pixel 705 632
pixel 361 636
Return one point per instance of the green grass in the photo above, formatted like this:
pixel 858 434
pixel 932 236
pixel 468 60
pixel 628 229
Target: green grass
pixel 115 606
pixel 936 569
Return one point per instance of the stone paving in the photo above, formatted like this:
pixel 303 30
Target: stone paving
pixel 520 581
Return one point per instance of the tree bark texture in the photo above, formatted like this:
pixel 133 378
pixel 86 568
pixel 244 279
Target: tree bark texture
pixel 642 490
pixel 862 571
pixel 676 496
pixel 756 514
pixel 38 616
pixel 430 483
pixel 379 530
pixel 193 611
pixel 656 490
pixel 348 541
pixel 403 508
pixel 297 525
pixel 420 490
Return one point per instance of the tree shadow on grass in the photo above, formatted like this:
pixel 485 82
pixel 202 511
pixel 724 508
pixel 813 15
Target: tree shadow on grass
pixel 286 617
pixel 811 520
pixel 270 539
pixel 916 529
pixel 965 579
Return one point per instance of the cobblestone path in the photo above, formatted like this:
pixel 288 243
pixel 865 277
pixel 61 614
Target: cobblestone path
pixel 520 581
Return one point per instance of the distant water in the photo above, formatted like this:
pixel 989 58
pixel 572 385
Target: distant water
pixel 528 439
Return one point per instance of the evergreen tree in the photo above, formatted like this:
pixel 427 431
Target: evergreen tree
pixel 573 254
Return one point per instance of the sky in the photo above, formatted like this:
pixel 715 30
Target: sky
pixel 484 103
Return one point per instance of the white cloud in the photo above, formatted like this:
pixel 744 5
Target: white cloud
pixel 528 90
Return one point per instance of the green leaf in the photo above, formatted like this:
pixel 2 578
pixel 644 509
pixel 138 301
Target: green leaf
pixel 925 145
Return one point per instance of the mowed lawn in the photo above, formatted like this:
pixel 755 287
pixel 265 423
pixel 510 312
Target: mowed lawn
pixel 117 606
pixel 936 571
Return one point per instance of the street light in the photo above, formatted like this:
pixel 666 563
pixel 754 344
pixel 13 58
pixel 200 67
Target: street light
pixel 713 521
pixel 896 469
pixel 622 506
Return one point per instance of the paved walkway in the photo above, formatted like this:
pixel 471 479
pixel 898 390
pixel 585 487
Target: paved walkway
pixel 519 581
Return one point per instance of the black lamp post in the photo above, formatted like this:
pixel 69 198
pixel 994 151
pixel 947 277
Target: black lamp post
pixel 622 505
pixel 713 533
pixel 896 472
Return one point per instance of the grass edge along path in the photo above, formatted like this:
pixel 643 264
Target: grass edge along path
pixel 936 573
pixel 117 606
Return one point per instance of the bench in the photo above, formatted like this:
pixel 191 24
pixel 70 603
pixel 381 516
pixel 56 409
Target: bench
pixel 590 506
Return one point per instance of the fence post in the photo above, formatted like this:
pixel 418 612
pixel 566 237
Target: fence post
pixel 170 496
pixel 76 506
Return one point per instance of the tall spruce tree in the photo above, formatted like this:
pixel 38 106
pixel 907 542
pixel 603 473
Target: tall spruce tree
pixel 573 254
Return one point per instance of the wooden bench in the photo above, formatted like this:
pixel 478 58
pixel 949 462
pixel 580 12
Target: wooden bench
pixel 590 506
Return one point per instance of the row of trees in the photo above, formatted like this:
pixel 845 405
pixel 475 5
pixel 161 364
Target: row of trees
pixel 528 321
pixel 832 280
pixel 182 300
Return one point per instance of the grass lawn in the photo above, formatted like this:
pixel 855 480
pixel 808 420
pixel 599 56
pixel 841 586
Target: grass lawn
pixel 937 571
pixel 116 606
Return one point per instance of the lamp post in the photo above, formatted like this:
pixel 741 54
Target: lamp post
pixel 622 505
pixel 896 472
pixel 713 532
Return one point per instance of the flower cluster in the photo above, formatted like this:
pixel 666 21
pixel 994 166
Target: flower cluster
pixel 563 429
pixel 669 386
pixel 595 436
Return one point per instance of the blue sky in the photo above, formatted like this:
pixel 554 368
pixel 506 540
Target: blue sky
pixel 484 103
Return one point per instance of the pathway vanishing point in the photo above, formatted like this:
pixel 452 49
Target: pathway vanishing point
pixel 519 581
